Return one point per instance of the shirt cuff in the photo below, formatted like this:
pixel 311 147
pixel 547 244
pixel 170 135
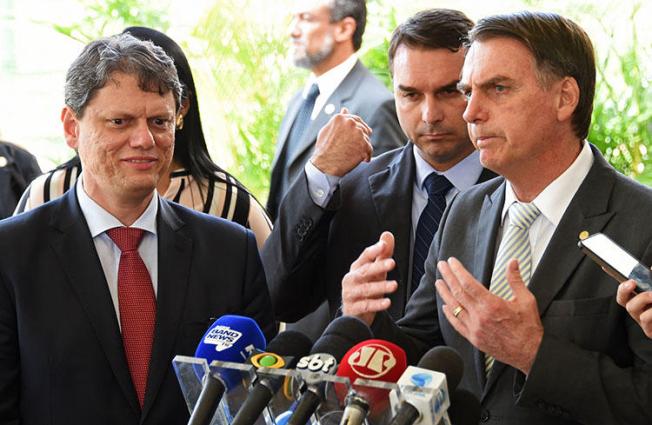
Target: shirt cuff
pixel 320 185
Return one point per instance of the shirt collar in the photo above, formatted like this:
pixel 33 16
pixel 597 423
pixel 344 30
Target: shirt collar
pixel 555 198
pixel 331 79
pixel 462 175
pixel 100 220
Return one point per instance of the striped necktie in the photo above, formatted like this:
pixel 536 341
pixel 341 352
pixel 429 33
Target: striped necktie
pixel 437 186
pixel 515 244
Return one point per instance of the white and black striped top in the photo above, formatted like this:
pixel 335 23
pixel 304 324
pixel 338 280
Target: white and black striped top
pixel 221 197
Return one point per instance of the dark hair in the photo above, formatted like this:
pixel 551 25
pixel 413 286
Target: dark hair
pixel 190 145
pixel 356 9
pixel 431 29
pixel 119 53
pixel 560 48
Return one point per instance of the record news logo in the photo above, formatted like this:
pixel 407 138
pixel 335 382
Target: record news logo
pixel 372 361
pixel 223 337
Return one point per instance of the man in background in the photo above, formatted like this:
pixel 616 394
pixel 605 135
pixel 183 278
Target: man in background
pixel 334 209
pixel 325 35
pixel 17 169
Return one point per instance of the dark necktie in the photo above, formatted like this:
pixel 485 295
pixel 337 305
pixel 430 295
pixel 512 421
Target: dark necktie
pixel 301 122
pixel 437 187
pixel 137 306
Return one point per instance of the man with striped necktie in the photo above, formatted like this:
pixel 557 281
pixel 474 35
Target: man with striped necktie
pixel 535 321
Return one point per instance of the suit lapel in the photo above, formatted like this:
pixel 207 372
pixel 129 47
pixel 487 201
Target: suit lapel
pixel 338 98
pixel 72 243
pixel 174 260
pixel 588 211
pixel 391 192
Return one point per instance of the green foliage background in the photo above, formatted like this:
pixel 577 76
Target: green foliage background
pixel 239 56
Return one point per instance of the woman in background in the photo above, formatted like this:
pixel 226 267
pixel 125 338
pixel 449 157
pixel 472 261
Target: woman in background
pixel 195 180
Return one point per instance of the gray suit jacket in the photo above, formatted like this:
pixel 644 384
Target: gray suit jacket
pixel 364 95
pixel 311 249
pixel 594 365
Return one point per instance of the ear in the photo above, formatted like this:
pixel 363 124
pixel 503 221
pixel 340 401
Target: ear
pixel 70 127
pixel 569 97
pixel 345 29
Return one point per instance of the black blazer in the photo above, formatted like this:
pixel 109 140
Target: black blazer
pixel 17 169
pixel 311 249
pixel 364 95
pixel 61 354
pixel 594 365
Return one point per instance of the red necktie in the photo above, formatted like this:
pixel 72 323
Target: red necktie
pixel 137 306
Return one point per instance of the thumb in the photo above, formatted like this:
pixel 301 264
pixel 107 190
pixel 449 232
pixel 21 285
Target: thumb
pixel 344 110
pixel 514 278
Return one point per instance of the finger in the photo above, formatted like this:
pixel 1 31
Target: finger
pixel 370 254
pixel 368 306
pixel 625 292
pixel 445 293
pixel 388 238
pixel 369 150
pixel 469 284
pixel 353 292
pixel 637 305
pixel 514 279
pixel 344 110
pixel 456 322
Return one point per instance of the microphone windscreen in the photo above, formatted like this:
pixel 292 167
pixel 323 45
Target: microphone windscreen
pixel 465 408
pixel 290 343
pixel 376 360
pixel 447 361
pixel 230 338
pixel 340 335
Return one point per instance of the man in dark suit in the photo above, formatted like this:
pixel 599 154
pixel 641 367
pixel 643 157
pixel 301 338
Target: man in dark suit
pixel 318 235
pixel 17 169
pixel 535 321
pixel 102 287
pixel 325 36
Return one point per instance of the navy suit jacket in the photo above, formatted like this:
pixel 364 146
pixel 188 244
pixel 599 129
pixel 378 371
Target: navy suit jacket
pixel 364 95
pixel 312 248
pixel 61 354
pixel 594 365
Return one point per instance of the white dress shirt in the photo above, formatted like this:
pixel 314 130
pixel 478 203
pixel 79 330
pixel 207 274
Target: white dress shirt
pixel 552 202
pixel 100 220
pixel 328 82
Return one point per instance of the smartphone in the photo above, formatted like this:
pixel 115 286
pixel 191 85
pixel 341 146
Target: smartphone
pixel 617 262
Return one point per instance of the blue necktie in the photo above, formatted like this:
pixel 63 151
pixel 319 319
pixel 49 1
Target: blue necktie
pixel 301 122
pixel 437 187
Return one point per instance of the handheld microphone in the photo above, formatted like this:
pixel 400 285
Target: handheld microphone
pixel 427 406
pixel 465 408
pixel 376 360
pixel 283 351
pixel 340 335
pixel 230 338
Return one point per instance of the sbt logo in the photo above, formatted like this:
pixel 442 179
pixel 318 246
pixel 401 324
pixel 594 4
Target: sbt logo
pixel 223 337
pixel 324 363
pixel 372 361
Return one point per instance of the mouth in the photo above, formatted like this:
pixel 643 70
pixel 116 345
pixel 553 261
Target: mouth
pixel 434 136
pixel 140 163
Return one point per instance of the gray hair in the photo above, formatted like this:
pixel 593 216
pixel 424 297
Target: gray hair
pixel 357 9
pixel 119 53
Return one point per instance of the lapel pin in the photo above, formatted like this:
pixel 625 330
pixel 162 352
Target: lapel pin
pixel 3 161
pixel 329 109
pixel 583 235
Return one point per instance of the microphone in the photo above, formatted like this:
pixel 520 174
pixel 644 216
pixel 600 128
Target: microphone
pixel 230 338
pixel 465 408
pixel 376 360
pixel 283 351
pixel 427 406
pixel 340 335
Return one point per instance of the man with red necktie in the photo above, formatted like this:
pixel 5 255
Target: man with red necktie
pixel 102 287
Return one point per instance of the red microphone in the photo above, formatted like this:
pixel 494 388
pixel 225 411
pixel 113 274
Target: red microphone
pixel 376 360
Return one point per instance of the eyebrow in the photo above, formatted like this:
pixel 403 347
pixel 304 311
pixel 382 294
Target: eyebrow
pixel 486 84
pixel 451 84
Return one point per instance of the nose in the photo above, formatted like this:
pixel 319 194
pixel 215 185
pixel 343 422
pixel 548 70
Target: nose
pixel 431 111
pixel 142 136
pixel 474 111
pixel 294 28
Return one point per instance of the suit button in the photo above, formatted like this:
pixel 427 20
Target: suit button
pixel 484 416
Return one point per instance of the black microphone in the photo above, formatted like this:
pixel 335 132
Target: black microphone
pixel 428 408
pixel 340 335
pixel 464 409
pixel 284 351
